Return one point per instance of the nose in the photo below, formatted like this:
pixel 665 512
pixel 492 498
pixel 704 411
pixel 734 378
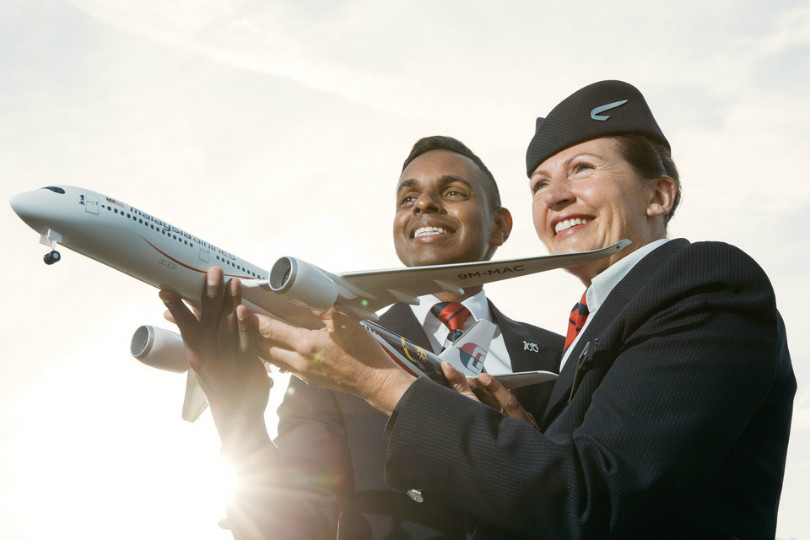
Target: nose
pixel 558 195
pixel 428 202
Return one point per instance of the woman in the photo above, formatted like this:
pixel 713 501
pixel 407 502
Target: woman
pixel 672 412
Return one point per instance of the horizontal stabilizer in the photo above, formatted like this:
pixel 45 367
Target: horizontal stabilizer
pixel 525 378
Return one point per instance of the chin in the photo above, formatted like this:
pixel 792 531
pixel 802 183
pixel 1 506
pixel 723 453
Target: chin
pixel 424 260
pixel 576 245
pixel 435 254
pixel 564 246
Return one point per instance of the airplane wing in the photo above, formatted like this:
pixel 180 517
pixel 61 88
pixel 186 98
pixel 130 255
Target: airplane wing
pixel 360 294
pixel 195 401
pixel 525 378
pixel 277 306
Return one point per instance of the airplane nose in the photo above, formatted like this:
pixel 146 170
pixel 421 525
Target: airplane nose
pixel 31 208
pixel 21 204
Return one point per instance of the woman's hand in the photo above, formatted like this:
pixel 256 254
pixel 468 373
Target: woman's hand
pixel 489 391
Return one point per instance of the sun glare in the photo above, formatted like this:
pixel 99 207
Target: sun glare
pixel 223 481
pixel 107 462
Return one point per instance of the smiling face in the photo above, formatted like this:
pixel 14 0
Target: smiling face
pixel 588 197
pixel 444 214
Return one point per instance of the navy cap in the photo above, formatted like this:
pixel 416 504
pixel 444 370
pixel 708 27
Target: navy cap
pixel 601 109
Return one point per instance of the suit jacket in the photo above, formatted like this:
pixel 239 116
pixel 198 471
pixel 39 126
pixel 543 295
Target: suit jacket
pixel 673 423
pixel 332 446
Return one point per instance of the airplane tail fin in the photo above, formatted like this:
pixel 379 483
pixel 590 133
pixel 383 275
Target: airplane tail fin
pixel 468 353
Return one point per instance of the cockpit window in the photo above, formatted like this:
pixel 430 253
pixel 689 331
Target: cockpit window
pixel 55 189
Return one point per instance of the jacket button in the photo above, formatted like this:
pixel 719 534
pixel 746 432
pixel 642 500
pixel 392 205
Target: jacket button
pixel 415 495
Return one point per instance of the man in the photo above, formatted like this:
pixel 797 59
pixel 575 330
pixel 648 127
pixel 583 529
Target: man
pixel 448 211
pixel 327 478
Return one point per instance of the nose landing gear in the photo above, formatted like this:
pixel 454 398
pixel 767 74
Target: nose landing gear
pixel 51 239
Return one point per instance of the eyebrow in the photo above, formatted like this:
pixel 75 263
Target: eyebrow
pixel 566 163
pixel 443 181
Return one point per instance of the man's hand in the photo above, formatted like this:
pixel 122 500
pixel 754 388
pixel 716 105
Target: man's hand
pixel 219 350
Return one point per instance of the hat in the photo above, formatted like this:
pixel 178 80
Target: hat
pixel 601 109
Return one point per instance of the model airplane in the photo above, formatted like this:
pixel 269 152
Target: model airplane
pixel 164 256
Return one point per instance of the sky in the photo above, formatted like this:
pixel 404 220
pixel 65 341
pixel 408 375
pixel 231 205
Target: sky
pixel 279 128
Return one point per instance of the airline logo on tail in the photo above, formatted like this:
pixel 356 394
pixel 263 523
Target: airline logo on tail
pixel 472 356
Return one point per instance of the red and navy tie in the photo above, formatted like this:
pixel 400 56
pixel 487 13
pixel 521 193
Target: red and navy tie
pixel 576 321
pixel 453 315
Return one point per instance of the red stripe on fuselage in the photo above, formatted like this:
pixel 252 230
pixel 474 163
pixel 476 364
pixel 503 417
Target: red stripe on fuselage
pixel 399 362
pixel 187 266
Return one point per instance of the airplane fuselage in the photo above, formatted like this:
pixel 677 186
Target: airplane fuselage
pixel 128 239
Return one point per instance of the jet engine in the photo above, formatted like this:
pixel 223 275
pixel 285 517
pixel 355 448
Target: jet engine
pixel 303 283
pixel 159 348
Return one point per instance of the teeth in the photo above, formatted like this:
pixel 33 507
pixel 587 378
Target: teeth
pixel 568 223
pixel 424 231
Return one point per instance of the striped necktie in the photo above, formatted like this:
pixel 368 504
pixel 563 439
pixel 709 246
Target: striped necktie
pixel 576 321
pixel 453 315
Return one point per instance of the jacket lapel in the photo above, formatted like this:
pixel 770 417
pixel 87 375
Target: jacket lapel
pixel 400 319
pixel 516 338
pixel 562 386
pixel 596 334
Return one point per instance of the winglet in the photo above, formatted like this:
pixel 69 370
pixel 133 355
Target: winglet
pixel 621 244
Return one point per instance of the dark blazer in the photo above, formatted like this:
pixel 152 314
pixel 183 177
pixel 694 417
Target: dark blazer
pixel 675 424
pixel 332 445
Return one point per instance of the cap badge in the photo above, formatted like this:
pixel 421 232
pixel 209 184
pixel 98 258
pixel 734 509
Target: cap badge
pixel 595 112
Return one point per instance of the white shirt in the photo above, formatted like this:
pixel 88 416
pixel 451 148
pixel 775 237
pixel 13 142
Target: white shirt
pixel 497 361
pixel 603 284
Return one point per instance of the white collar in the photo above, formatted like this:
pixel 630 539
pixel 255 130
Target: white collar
pixel 477 304
pixel 603 284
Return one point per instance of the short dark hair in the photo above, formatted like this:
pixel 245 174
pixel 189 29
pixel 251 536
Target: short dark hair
pixel 650 159
pixel 442 142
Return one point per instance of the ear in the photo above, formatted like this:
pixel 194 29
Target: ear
pixel 662 196
pixel 503 226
